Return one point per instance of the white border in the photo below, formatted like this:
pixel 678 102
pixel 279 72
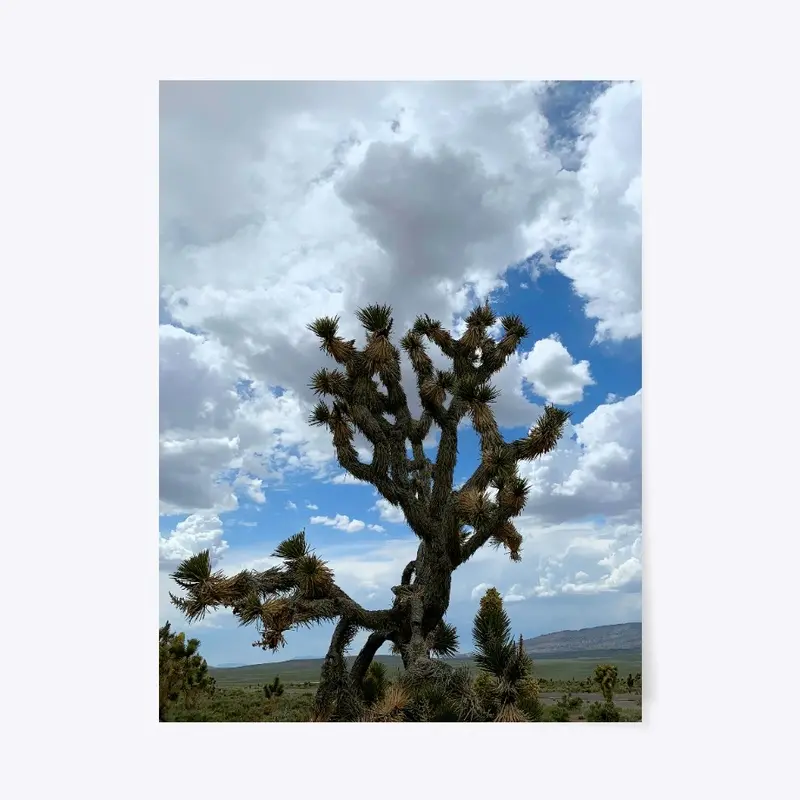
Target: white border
pixel 80 181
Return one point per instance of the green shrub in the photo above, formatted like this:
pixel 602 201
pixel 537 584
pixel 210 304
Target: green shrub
pixel 603 712
pixel 570 702
pixel 182 672
pixel 375 683
pixel 558 713
pixel 605 676
pixel 274 689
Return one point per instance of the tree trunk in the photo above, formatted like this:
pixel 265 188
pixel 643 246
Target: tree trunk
pixel 419 607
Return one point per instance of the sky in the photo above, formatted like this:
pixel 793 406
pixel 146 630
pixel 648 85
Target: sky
pixel 281 202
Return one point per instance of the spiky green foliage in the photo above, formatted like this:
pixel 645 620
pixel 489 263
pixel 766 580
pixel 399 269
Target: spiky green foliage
pixel 325 328
pixel 603 712
pixel 293 548
pixel 481 317
pixel 507 686
pixel 182 672
pixel 376 683
pixel 329 382
pixel 274 689
pixel 606 677
pixel 366 399
pixel 443 641
pixel 376 319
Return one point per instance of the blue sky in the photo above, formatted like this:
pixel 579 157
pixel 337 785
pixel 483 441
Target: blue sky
pixel 282 202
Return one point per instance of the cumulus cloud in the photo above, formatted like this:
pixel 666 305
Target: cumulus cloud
pixel 252 487
pixel 479 591
pixel 463 186
pixel 341 521
pixel 388 512
pixel 588 558
pixel 553 372
pixel 196 533
pixel 247 275
pixel 291 506
pixel 600 220
pixel 346 479
pixel 597 471
pixel 189 472
pixel 514 594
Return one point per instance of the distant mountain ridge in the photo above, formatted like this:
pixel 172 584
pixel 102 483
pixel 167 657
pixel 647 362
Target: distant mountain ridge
pixel 624 636
pixel 600 639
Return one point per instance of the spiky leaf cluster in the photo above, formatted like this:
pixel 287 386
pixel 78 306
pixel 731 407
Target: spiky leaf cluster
pixel 273 690
pixel 606 677
pixel 182 671
pixel 301 592
pixel 376 683
pixel 508 681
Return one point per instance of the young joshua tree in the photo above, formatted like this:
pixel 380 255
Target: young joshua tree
pixel 364 394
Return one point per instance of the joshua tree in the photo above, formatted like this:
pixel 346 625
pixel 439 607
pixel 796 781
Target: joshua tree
pixel 274 689
pixel 605 676
pixel 182 671
pixel 507 688
pixel 366 396
pixel 375 683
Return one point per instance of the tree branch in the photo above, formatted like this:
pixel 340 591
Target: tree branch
pixel 405 578
pixel 481 536
pixel 445 465
pixel 360 666
pixel 336 698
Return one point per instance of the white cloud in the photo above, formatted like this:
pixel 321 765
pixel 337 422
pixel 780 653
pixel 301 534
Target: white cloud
pixel 341 521
pixel 213 438
pixel 373 568
pixel 600 219
pixel 554 374
pixel 291 506
pixel 196 533
pixel 388 512
pixel 599 471
pixel 514 594
pixel 479 590
pixel 377 528
pixel 312 507
pixel 189 470
pixel 249 233
pixel 346 479
pixel 252 487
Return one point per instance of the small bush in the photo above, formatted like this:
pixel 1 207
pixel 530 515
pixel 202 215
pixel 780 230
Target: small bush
pixel 375 683
pixel 603 712
pixel 570 702
pixel 558 713
pixel 274 689
pixel 606 677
